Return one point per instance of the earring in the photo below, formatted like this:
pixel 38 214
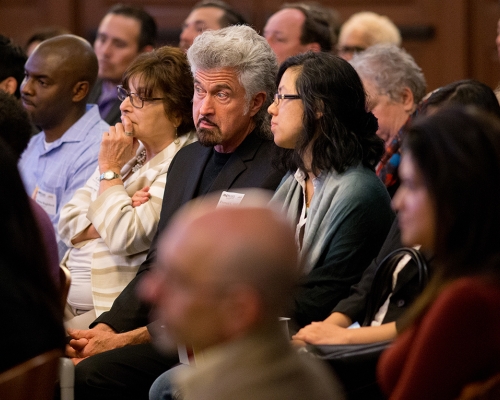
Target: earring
pixel 176 140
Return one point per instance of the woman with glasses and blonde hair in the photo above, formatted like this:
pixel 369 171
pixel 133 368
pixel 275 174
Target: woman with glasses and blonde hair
pixel 107 228
pixel 330 147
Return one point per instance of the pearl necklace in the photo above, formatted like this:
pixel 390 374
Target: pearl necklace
pixel 140 160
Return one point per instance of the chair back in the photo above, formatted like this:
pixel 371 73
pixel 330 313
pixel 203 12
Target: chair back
pixel 33 379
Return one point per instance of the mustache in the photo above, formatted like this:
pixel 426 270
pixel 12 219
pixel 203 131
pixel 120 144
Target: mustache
pixel 206 120
pixel 25 100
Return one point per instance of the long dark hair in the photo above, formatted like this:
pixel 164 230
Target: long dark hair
pixel 457 151
pixel 344 134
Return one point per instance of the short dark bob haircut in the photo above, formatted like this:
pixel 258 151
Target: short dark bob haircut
pixel 335 119
pixel 165 72
pixel 457 151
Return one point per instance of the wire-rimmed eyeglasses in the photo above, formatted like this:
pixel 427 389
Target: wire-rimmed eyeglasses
pixel 136 100
pixel 278 97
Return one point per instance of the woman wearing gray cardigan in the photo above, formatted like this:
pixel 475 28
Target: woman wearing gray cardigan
pixel 329 145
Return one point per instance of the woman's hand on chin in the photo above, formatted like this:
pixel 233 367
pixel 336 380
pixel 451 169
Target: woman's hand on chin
pixel 117 148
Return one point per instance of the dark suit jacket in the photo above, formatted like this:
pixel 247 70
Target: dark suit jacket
pixel 114 114
pixel 249 166
pixel 406 290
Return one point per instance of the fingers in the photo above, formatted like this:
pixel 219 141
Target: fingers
pixel 70 351
pixel 127 125
pixel 78 344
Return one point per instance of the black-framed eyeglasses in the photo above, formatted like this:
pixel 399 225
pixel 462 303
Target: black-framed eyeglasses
pixel 278 97
pixel 136 100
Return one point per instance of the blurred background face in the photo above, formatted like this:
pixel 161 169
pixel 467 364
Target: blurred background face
pixel 416 210
pixel 283 30
pixel 198 21
pixel 350 43
pixel 116 46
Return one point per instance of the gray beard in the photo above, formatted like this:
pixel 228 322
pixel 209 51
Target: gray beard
pixel 209 137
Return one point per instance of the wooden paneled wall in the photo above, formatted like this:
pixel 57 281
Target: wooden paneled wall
pixel 450 39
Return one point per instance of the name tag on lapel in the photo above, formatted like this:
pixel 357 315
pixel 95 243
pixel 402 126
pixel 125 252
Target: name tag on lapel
pixel 230 199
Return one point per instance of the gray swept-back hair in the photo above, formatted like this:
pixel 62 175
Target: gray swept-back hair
pixel 390 69
pixel 243 49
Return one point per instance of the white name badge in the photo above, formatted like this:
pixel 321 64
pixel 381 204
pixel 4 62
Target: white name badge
pixel 46 200
pixel 230 199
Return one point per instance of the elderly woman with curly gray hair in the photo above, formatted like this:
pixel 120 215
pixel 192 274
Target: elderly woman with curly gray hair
pixel 394 85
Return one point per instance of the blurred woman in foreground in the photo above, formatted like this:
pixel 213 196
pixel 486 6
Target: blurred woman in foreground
pixel 449 203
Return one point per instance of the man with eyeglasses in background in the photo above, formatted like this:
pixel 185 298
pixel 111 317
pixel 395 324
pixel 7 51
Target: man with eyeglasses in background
pixel 58 77
pixel 124 33
pixel 363 30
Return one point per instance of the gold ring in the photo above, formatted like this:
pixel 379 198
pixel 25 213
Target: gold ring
pixel 129 133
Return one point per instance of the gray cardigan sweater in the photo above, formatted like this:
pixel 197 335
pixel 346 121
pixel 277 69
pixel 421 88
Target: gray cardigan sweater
pixel 347 222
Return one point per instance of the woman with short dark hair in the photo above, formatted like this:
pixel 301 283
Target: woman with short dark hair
pixel 341 209
pixel 449 203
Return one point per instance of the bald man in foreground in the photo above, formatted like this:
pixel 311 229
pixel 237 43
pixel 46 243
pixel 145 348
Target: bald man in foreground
pixel 223 278
pixel 59 75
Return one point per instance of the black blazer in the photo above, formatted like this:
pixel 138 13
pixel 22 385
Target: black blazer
pixel 249 166
pixel 114 114
pixel 406 290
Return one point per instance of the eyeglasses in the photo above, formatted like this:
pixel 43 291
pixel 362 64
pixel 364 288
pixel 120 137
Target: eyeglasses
pixel 278 97
pixel 350 49
pixel 136 100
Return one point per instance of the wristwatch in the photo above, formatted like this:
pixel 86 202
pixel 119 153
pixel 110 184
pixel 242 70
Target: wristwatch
pixel 109 175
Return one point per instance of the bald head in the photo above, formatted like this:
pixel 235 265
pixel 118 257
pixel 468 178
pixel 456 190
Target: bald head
pixel 58 78
pixel 247 245
pixel 72 56
pixel 223 272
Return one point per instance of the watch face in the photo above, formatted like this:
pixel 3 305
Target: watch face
pixel 109 175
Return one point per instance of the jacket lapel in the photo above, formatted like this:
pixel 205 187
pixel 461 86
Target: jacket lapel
pixel 237 163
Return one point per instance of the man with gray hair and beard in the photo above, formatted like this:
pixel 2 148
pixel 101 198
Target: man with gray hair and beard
pixel 234 70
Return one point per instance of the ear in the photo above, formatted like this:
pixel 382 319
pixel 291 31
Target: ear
pixel 315 47
pixel 320 107
pixel 9 85
pixel 408 100
pixel 80 91
pixel 147 49
pixel 176 120
pixel 256 103
pixel 243 311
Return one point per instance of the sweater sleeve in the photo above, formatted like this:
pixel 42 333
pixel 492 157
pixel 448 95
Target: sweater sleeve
pixel 113 215
pixel 73 217
pixel 455 343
